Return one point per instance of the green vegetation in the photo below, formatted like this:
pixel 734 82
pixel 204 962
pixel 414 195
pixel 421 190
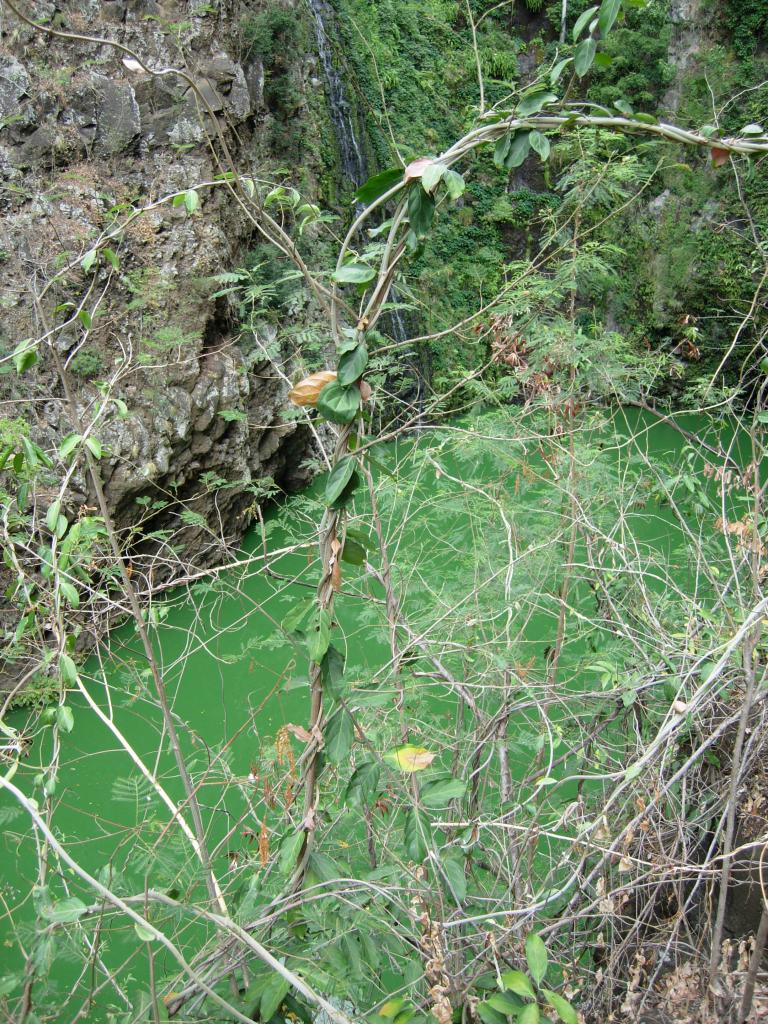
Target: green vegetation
pixel 472 730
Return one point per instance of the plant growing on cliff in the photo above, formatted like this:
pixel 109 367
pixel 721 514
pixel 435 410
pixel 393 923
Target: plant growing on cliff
pixel 456 884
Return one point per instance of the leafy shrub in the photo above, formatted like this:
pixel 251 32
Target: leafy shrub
pixel 86 365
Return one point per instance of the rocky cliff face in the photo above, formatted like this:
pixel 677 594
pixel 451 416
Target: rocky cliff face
pixel 684 44
pixel 83 141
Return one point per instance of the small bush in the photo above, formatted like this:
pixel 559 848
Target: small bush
pixel 86 365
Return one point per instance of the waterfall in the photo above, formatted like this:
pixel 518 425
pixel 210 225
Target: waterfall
pixel 354 165
pixel 353 162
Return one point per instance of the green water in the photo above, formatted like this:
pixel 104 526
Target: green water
pixel 235 679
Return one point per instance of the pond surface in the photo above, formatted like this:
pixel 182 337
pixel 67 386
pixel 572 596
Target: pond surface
pixel 477 520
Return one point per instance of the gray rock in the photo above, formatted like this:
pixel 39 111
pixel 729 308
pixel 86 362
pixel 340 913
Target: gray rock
pixel 254 78
pixel 37 150
pixel 113 11
pixel 206 94
pixel 229 80
pixel 14 87
pixel 118 118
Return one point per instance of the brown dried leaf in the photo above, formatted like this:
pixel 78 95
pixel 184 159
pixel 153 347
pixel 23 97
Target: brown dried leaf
pixel 299 732
pixel 335 564
pixel 416 168
pixel 306 392
pixel 264 845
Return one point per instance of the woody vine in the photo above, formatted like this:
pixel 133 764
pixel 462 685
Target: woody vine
pixel 354 296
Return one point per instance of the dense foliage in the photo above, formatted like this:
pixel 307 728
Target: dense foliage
pixel 490 697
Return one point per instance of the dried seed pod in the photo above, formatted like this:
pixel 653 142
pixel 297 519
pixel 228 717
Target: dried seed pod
pixel 306 392
pixel 365 390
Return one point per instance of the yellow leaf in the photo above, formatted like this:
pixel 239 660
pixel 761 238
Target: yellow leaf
pixel 410 758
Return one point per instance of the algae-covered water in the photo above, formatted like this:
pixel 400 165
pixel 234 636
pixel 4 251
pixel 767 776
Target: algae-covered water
pixel 477 518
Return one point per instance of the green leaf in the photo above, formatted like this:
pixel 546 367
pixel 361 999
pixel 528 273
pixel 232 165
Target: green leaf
pixel 602 60
pixel 584 55
pixel 540 144
pixel 67 670
pixel 415 835
pixel 533 103
pixel 52 515
pixel 368 948
pixel 364 539
pixel 518 150
pixel 363 785
pixel 352 364
pixel 85 319
pixel 332 667
pixel 390 1009
pixel 289 851
pixel 557 70
pixel 322 867
pixel 561 1006
pixel 64 718
pixel 536 955
pixel 529 1015
pixel 421 210
pixel 191 200
pixel 609 12
pixel 519 983
pixel 432 175
pixel 624 108
pixel 143 933
pixel 319 635
pixel 24 356
pixel 346 495
pixel 582 21
pixel 88 260
pixel 378 184
pixel 94 447
pixel 68 445
pixel 348 344
pixel 297 617
pixel 339 477
pixel 502 149
pixel 112 258
pixel 338 736
pixel 274 993
pixel 454 873
pixel 352 552
pixel 8 983
pixel 354 273
pixel 752 129
pixel 65 911
pixel 488 1015
pixel 350 950
pixel 337 403
pixel 70 593
pixel 454 184
pixel 505 1003
pixel 440 793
